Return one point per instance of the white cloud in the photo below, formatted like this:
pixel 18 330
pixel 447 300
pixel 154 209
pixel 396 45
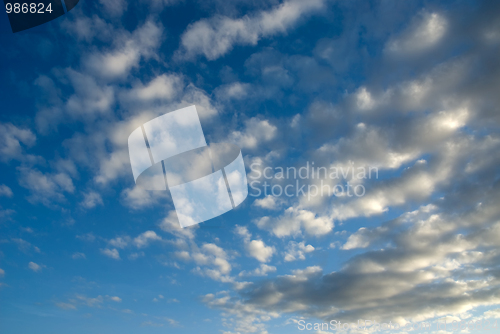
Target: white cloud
pixel 163 87
pixel 492 314
pixel 135 256
pixel 211 260
pixel 296 250
pixel 85 28
pixel 2 272
pixel 217 36
pixel 114 8
pixel 12 140
pixel 25 246
pixel 263 270
pixel 66 166
pixel 151 324
pixel 243 232
pixel 5 214
pixel 145 238
pixel 116 299
pixel 35 267
pixel 111 253
pixel 255 248
pixel 235 90
pixel 91 200
pixel 128 52
pixel 120 242
pixel 242 317
pixel 89 237
pixel 158 5
pixel 66 306
pixel 77 256
pixel 259 250
pixel 90 99
pixel 5 191
pixel 294 220
pixel 171 225
pixel 268 202
pixel 91 302
pixel 138 198
pixel 211 253
pixel 45 188
pixel 256 131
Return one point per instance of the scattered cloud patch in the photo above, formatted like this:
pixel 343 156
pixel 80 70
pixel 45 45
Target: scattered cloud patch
pixel 91 200
pixel 77 256
pixel 297 250
pixel 35 267
pixel 5 191
pixel 111 253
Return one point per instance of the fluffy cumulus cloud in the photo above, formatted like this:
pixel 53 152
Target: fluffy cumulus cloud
pixel 269 202
pixel 256 132
pixel 111 253
pixel 217 36
pixel 144 239
pixel 255 248
pixel 211 261
pixel 297 250
pixel 258 249
pixel 293 221
pixel 163 87
pixel 116 299
pixel 127 53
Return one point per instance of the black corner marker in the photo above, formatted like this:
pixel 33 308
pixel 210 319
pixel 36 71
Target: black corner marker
pixel 26 14
pixel 70 4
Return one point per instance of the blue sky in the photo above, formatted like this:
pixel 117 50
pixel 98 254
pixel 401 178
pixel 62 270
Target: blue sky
pixel 409 88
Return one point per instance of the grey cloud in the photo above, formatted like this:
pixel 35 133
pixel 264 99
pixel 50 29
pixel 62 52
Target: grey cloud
pixel 12 140
pixel 424 261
